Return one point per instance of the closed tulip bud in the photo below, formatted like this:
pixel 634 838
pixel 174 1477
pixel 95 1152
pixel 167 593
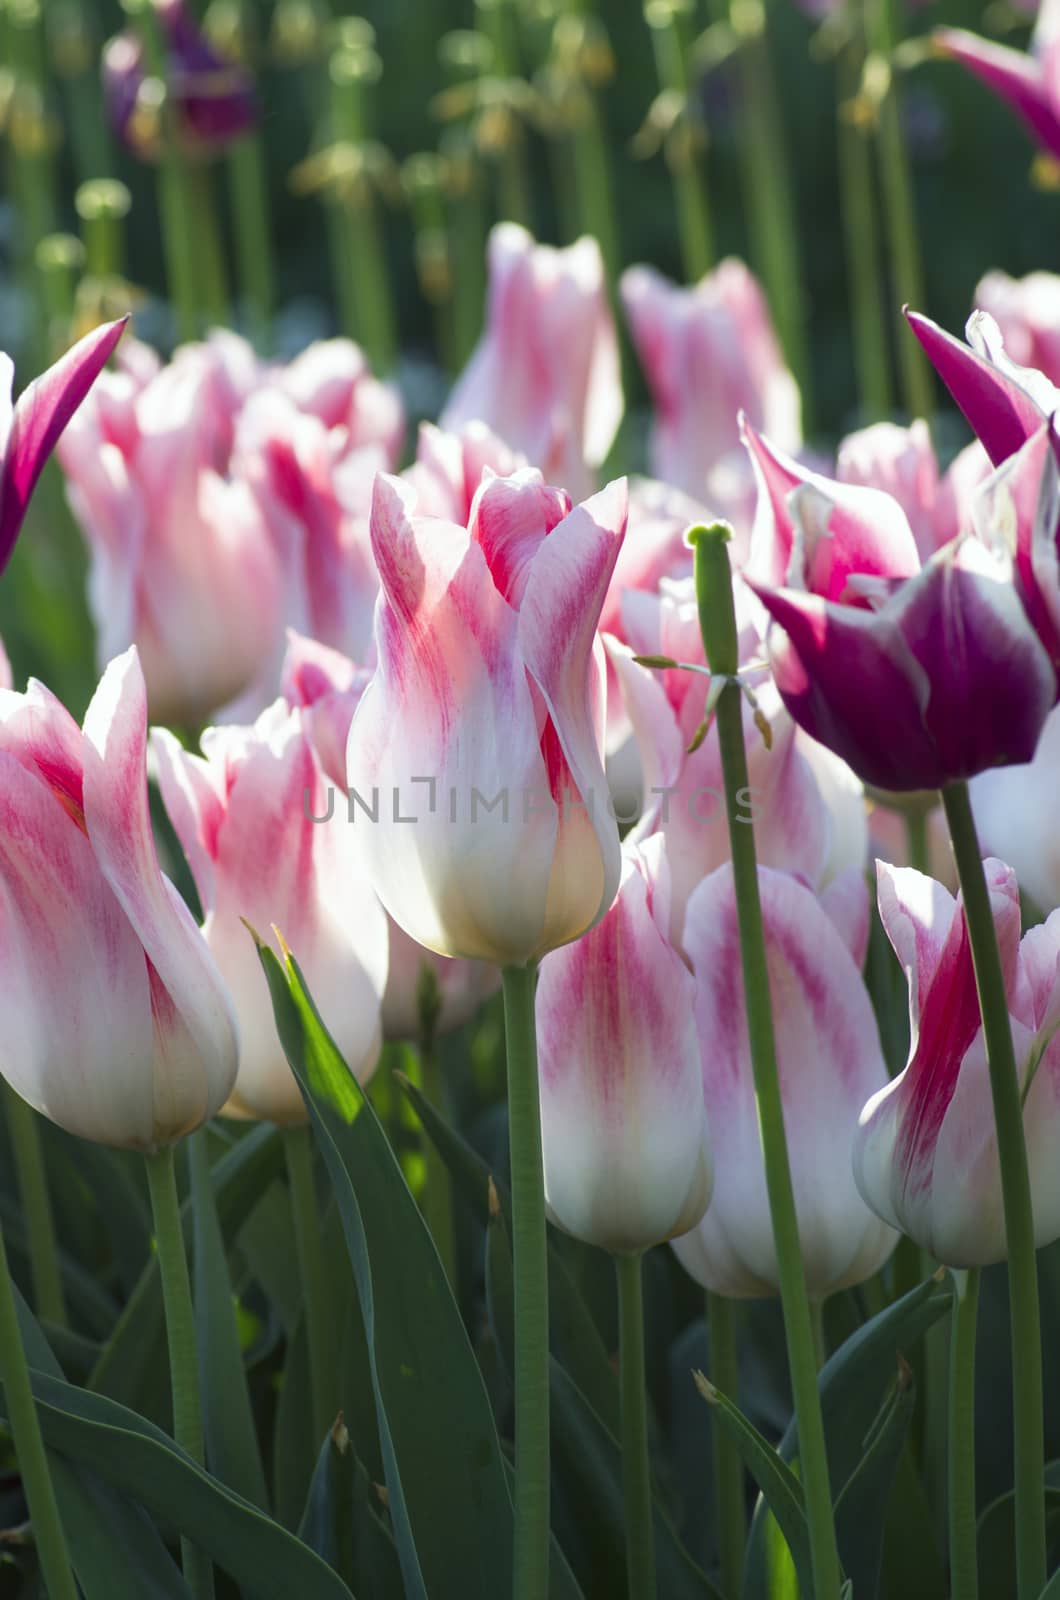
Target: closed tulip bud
pixel 250 815
pixel 709 352
pixel 623 1122
pixel 476 749
pixel 30 427
pixel 862 644
pixel 828 1058
pixel 925 1157
pixel 545 376
pixel 117 1024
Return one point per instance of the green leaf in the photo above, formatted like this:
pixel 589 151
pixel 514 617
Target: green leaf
pixel 996 1542
pixel 327 1522
pixel 138 1459
pixel 448 1498
pixel 294 1447
pixel 861 1510
pixel 228 1420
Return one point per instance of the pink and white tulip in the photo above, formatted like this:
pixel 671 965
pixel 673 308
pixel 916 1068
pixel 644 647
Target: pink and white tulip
pixel 925 1157
pixel 623 1122
pixel 1027 313
pixel 829 1058
pixel 709 352
pixel 327 687
pixel 807 808
pixel 1015 814
pixel 1028 80
pixel 449 468
pixel 479 739
pixel 545 376
pixel 916 676
pixel 117 1023
pixel 245 813
pixel 902 463
pixel 30 428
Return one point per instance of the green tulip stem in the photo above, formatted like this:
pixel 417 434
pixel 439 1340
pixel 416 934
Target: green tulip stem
pixel 964 1572
pixel 180 1336
pixel 24 1131
pixel 530 1261
pixel 636 1467
pixel 870 309
pixel 1028 1423
pixel 717 620
pixel 729 1498
pixel 24 1423
pixel 668 22
pixel 319 1324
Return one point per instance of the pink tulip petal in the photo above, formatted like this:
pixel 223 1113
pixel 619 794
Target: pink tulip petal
pixel 999 412
pixel 1011 75
pixel 39 417
pixel 1018 507
pixel 510 519
pixel 194 799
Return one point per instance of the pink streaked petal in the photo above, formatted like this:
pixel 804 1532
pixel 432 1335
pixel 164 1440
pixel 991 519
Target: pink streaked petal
pixel 999 412
pixel 773 531
pixel 1011 75
pixel 73 981
pixel 39 417
pixel 846 902
pixel 829 1061
pixel 193 794
pixel 119 826
pixel 655 729
pixel 901 463
pixel 449 466
pixel 1018 509
pixel 510 519
pixel 842 532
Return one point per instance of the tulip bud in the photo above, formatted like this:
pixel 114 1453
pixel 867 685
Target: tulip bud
pixel 623 1123
pixel 828 1057
pixel 925 1156
pixel 266 847
pixel 117 1024
pixel 545 375
pixel 475 753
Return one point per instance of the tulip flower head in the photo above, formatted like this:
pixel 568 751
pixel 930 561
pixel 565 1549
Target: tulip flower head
pixel 475 752
pixel 1027 314
pixel 117 1024
pixel 828 1057
pixel 245 814
pixel 1028 80
pixel 902 463
pixel 925 1156
pixel 30 428
pixel 1015 817
pixel 623 1121
pixel 917 676
pixel 545 376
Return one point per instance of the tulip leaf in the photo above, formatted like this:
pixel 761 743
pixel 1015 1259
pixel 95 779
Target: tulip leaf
pixel 228 1420
pixel 133 1359
pixel 859 1523
pixel 996 1542
pixel 133 1456
pixel 447 1493
pixel 589 1456
pixel 294 1446
pixel 340 1524
pixel 573 1335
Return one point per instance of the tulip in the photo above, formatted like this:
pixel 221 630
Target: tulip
pixel 1026 79
pixel 828 1058
pixel 902 463
pixel 327 687
pixel 916 676
pixel 807 807
pixel 1027 314
pixel 925 1156
pixel 246 815
pixel 213 99
pixel 30 427
pixel 710 352
pixel 1015 814
pixel 117 1024
pixel 623 1123
pixel 477 746
pixel 449 466
pixel 545 376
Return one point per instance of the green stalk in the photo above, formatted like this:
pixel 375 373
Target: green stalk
pixel 201 223
pixel 248 188
pixel 467 241
pixel 964 1570
pixel 305 1212
pixel 74 47
pixel 24 1131
pixel 593 182
pixel 351 71
pixel 59 262
pixel 103 205
pixel 900 211
pixel 916 837
pixel 668 21
pixel 1016 1196
pixel 497 22
pixel 769 194
pixel 29 1447
pixel 530 1261
pixel 180 1335
pixel 871 315
pixel 438 1192
pixel 728 1467
pixel 636 1466
pixel 718 624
